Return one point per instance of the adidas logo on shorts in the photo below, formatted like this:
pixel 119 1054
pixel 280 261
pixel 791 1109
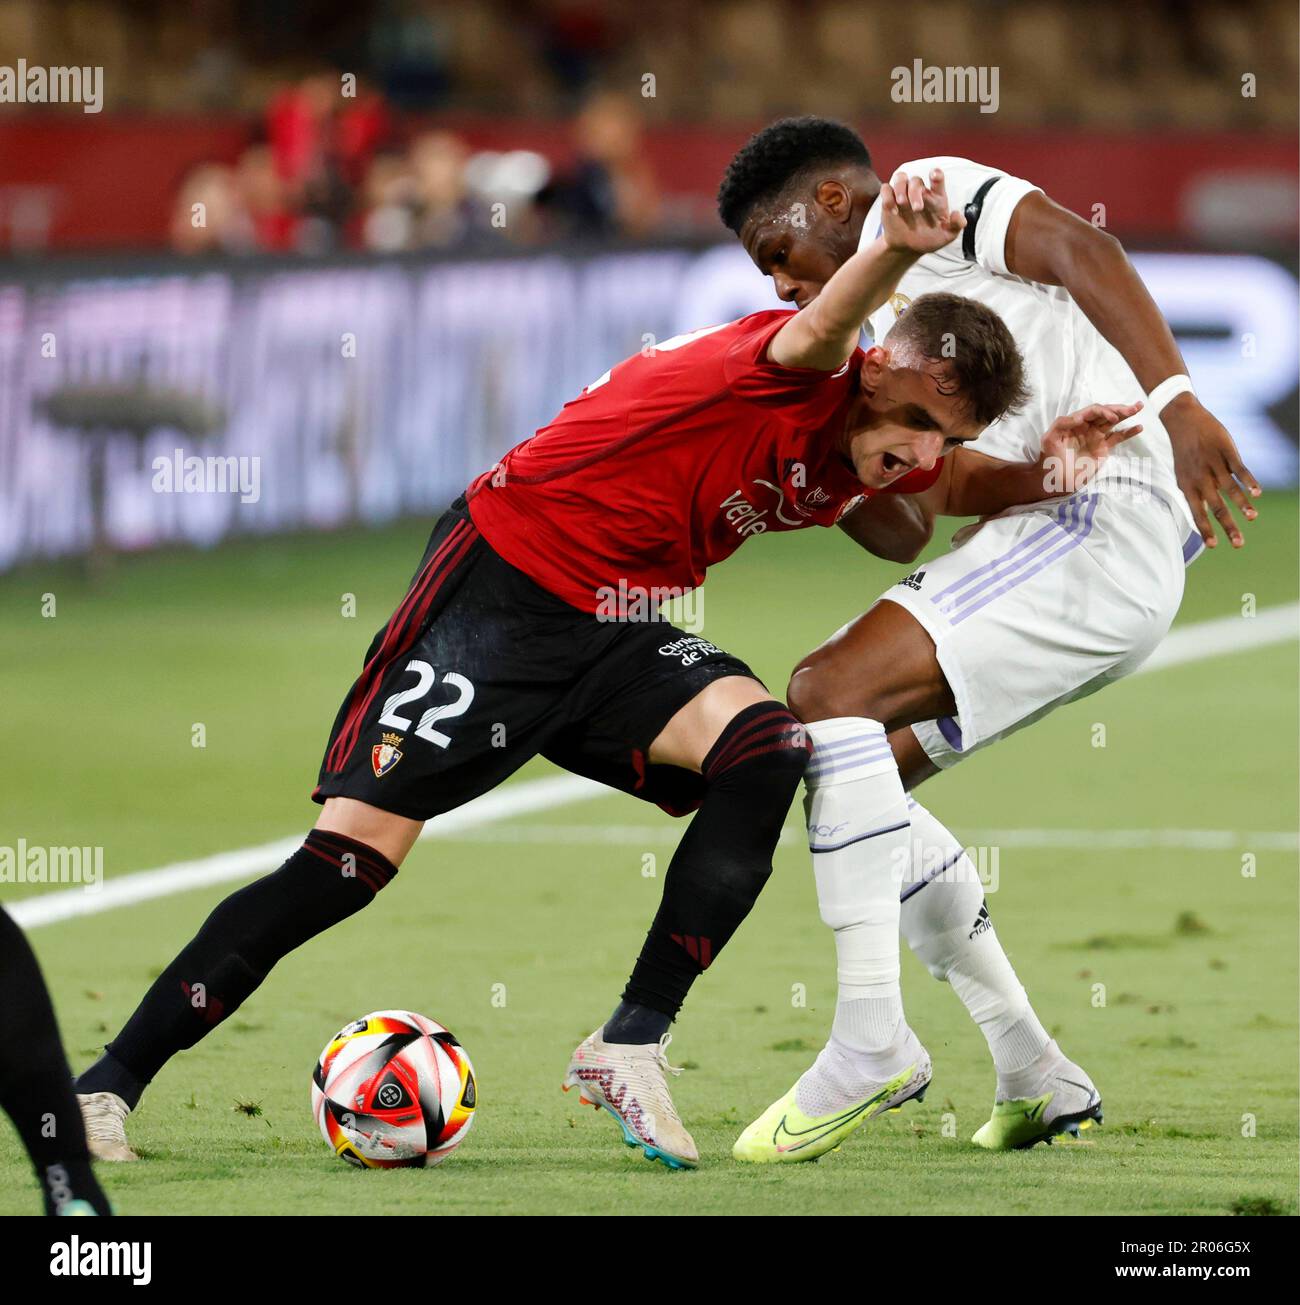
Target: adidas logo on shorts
pixel 982 923
pixel 913 581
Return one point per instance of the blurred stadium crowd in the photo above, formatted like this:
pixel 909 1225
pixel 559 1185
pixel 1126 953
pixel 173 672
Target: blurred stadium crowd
pixel 333 171
pixel 1138 62
pixel 386 169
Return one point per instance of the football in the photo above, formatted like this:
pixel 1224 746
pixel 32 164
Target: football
pixel 393 1090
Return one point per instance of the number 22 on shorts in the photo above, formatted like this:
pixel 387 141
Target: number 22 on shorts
pixel 427 677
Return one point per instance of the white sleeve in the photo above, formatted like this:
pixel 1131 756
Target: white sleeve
pixel 991 218
pixel 987 196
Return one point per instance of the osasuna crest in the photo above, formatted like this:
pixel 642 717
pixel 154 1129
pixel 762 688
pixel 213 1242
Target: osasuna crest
pixel 384 756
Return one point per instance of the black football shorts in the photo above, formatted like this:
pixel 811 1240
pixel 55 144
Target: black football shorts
pixel 480 669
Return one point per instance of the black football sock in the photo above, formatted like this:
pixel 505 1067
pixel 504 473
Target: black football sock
pixel 720 865
pixel 36 1083
pixel 326 880
pixel 634 1023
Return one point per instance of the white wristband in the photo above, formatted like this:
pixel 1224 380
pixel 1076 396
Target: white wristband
pixel 1168 390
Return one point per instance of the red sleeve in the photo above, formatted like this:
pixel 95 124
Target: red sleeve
pixel 915 481
pixel 803 394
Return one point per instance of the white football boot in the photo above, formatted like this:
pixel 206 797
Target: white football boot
pixel 104 1116
pixel 631 1082
pixel 1054 1096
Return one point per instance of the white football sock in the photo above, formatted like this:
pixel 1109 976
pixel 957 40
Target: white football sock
pixel 1020 1084
pixel 947 925
pixel 858 833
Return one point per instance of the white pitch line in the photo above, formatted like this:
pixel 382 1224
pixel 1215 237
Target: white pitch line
pixel 1189 840
pixel 1101 840
pixel 521 798
pixel 1229 634
pixel 1187 644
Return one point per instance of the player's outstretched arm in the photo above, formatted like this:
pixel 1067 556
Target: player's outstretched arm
pixel 1048 243
pixel 1074 449
pixel 916 220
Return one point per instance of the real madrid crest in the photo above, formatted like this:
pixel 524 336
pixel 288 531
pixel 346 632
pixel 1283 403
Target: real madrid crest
pixel 900 304
pixel 384 756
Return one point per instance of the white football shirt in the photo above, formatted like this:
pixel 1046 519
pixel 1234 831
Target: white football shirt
pixel 1068 363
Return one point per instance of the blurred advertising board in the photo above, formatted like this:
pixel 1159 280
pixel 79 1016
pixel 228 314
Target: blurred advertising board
pixel 361 391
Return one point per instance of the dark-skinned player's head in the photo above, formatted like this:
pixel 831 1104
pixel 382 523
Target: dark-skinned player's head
pixel 947 368
pixel 797 194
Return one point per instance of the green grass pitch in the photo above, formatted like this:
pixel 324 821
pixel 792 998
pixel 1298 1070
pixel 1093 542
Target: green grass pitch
pixel 519 935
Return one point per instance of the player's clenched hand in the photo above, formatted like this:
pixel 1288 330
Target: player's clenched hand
pixel 916 216
pixel 1209 467
pixel 1077 444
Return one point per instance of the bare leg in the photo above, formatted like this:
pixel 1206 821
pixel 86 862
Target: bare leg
pixel 881 665
pixel 392 836
pixel 686 739
pixel 913 763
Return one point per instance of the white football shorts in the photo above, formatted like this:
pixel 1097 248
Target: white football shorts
pixel 1045 604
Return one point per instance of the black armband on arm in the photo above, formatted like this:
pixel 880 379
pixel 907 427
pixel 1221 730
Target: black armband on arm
pixel 972 211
